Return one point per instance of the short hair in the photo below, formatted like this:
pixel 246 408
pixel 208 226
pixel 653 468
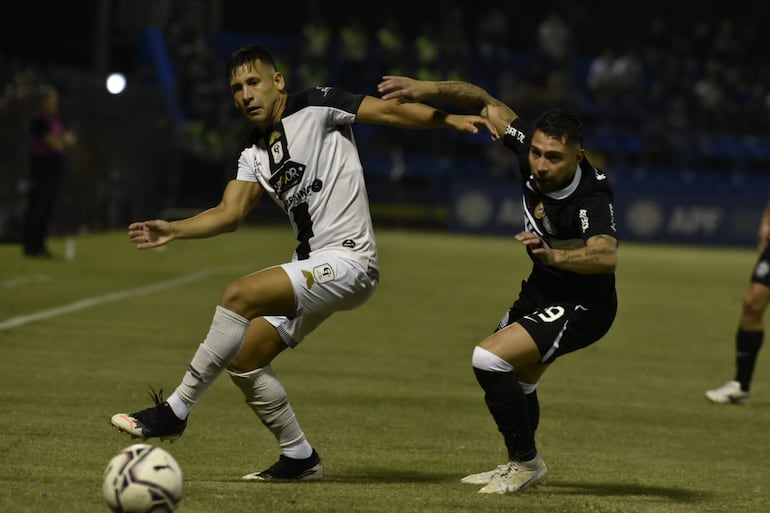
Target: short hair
pixel 248 54
pixel 561 123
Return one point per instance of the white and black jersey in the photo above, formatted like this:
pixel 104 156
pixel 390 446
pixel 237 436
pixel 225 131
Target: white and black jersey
pixel 309 164
pixel 565 219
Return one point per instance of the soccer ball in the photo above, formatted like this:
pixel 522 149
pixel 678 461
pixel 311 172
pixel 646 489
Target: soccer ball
pixel 143 478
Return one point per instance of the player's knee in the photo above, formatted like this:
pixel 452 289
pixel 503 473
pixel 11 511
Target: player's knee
pixel 753 309
pixel 484 359
pixel 235 299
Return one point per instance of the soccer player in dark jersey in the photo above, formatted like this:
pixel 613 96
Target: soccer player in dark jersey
pixel 751 327
pixel 302 153
pixel 568 301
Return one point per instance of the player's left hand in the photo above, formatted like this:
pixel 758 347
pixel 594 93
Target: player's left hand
pixel 537 246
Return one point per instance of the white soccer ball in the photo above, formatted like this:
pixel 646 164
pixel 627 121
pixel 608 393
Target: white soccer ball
pixel 143 478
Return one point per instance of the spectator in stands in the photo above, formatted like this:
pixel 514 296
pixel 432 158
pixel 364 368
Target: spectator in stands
pixel 428 53
pixel 454 45
pixel 50 142
pixel 354 47
pixel 493 50
pixel 315 51
pixel 554 39
pixel 391 47
pixel 751 328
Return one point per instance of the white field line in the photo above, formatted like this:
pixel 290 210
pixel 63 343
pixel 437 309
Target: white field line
pixel 82 304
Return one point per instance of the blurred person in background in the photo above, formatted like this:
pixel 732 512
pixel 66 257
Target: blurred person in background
pixel 303 154
pixel 50 142
pixel 569 300
pixel 751 328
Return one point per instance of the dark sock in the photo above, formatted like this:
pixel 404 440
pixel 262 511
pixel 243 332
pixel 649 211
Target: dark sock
pixel 747 344
pixel 509 407
pixel 533 408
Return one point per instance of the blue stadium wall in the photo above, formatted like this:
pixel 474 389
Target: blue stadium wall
pixel 701 217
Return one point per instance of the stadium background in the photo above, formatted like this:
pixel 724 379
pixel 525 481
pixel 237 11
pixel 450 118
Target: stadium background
pixel 680 120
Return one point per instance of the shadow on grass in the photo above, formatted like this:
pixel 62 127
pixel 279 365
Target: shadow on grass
pixel 387 476
pixel 622 489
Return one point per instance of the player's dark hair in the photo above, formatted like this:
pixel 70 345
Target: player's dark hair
pixel 248 54
pixel 560 123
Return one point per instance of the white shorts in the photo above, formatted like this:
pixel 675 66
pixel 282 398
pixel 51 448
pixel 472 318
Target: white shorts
pixel 323 284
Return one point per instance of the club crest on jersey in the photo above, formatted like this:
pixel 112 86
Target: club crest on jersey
pixel 276 151
pixel 539 211
pixel 287 177
pixel 323 273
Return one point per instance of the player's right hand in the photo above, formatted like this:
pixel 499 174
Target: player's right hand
pixel 150 234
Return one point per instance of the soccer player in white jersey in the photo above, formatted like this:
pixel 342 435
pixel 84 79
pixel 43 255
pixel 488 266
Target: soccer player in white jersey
pixel 302 153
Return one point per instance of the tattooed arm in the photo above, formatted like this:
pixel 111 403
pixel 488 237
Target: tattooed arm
pixel 598 256
pixel 463 94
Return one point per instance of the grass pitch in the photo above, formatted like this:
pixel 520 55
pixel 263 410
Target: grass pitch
pixel 385 392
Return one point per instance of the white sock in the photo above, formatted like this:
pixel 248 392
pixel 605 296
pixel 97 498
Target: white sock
pixel 266 396
pixel 298 451
pixel 214 354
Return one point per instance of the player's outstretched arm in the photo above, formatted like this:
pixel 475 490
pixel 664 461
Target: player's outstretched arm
pixel 237 201
pixel 462 94
pixel 417 116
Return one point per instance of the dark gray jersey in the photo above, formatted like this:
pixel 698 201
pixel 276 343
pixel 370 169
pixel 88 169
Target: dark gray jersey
pixel 565 219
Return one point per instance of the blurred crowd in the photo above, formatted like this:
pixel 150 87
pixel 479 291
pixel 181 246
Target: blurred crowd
pixel 645 99
pixel 688 92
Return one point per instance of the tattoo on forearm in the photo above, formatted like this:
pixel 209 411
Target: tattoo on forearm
pixel 463 92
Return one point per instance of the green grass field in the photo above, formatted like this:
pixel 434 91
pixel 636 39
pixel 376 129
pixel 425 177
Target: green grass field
pixel 386 392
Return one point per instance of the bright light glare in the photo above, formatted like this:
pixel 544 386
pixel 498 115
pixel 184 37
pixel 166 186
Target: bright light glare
pixel 116 82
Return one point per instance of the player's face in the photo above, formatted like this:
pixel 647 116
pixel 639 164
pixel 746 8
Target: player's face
pixel 552 162
pixel 256 89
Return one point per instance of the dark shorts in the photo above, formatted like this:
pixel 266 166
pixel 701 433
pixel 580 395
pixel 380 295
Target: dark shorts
pixel 761 271
pixel 561 327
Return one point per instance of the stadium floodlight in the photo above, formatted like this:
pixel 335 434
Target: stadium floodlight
pixel 116 83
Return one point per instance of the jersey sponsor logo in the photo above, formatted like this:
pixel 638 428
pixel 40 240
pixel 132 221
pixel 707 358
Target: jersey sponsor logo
pixel 303 194
pixel 762 269
pixel 583 215
pixel 287 177
pixel 539 211
pixel 516 134
pixel 348 243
